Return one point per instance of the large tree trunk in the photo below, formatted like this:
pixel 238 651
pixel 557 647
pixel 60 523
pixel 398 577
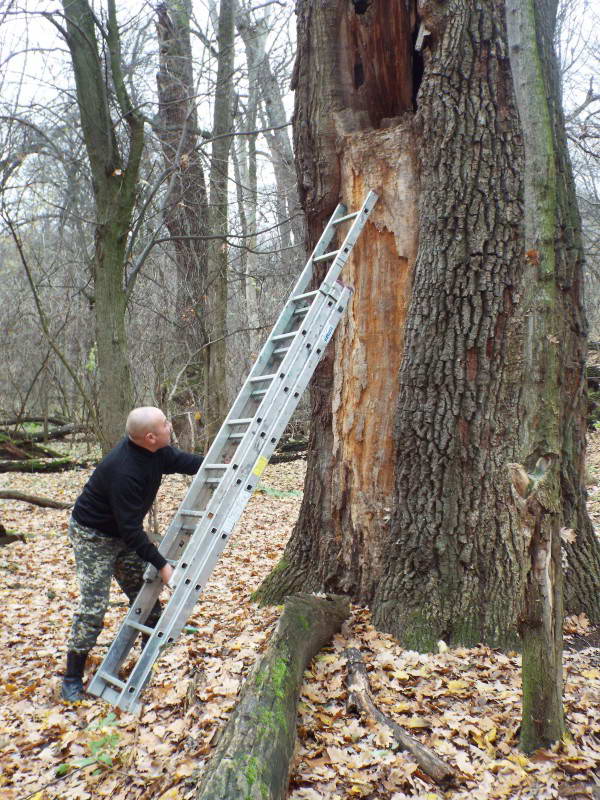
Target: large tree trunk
pixel 186 207
pixel 407 504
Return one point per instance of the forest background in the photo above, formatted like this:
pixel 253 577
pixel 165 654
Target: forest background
pixel 179 321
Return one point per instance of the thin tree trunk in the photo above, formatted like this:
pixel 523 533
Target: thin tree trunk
pixel 217 289
pixel 114 181
pixel 186 208
pixel 554 337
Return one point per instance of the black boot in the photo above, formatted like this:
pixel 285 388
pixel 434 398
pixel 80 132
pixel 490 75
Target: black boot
pixel 72 685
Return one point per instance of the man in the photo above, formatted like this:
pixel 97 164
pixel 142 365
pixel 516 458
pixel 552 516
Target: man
pixel 107 534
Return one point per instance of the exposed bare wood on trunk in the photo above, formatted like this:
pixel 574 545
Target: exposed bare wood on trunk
pixel 369 346
pixel 253 756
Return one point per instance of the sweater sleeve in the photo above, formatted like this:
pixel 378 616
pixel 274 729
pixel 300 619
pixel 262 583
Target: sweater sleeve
pixel 175 460
pixel 126 502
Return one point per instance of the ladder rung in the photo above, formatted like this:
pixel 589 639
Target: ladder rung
pixel 245 421
pixel 279 350
pixel 283 336
pixel 215 466
pixel 237 435
pixel 212 480
pixel 139 627
pixel 111 679
pixel 188 512
pixel 305 296
pixel 325 256
pixel 345 218
pixel 255 393
pixel 261 378
pixel 299 311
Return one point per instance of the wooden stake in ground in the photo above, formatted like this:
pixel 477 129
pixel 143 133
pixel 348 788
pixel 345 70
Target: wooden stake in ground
pixel 359 699
pixel 254 751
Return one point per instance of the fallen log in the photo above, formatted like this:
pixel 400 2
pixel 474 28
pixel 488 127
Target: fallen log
pixel 24 448
pixel 45 502
pixel 5 423
pixel 39 465
pixel 253 754
pixel 56 433
pixel 360 699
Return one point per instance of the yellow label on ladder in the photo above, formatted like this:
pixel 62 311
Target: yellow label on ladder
pixel 259 467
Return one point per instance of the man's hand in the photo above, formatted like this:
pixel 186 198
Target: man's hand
pixel 165 573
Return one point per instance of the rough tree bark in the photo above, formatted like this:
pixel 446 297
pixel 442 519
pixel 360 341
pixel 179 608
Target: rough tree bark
pixel 418 407
pixel 186 207
pixel 114 179
pixel 553 410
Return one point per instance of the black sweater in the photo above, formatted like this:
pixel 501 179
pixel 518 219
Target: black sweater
pixel 122 488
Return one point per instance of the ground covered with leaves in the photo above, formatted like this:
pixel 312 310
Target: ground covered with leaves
pixel 462 703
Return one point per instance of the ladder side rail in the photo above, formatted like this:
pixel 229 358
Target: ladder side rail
pixel 185 595
pixel 350 239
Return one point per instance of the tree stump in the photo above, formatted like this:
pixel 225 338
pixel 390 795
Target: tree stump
pixel 252 759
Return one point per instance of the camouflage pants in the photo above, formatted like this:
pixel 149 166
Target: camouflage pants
pixel 97 558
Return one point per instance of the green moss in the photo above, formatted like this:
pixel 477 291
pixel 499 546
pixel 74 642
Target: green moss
pixel 279 673
pixel 304 622
pixel 252 771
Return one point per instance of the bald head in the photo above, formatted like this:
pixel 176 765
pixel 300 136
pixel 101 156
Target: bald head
pixel 148 427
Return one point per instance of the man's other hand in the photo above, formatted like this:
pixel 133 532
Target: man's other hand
pixel 165 573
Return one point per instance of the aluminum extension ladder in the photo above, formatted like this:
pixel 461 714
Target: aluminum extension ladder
pixel 234 463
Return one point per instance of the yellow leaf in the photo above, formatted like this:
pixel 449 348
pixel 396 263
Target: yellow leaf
pixel 457 686
pixel 401 708
pixel 185 768
pixel 416 722
pixel 170 794
pixel 401 675
pixel 520 759
pixel 592 674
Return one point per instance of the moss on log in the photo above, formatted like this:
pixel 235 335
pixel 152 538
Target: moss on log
pixel 252 759
pixel 39 465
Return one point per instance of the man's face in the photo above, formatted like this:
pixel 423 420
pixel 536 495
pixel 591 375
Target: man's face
pixel 161 433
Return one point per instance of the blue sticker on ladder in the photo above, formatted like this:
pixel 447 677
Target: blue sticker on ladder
pixel 328 334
